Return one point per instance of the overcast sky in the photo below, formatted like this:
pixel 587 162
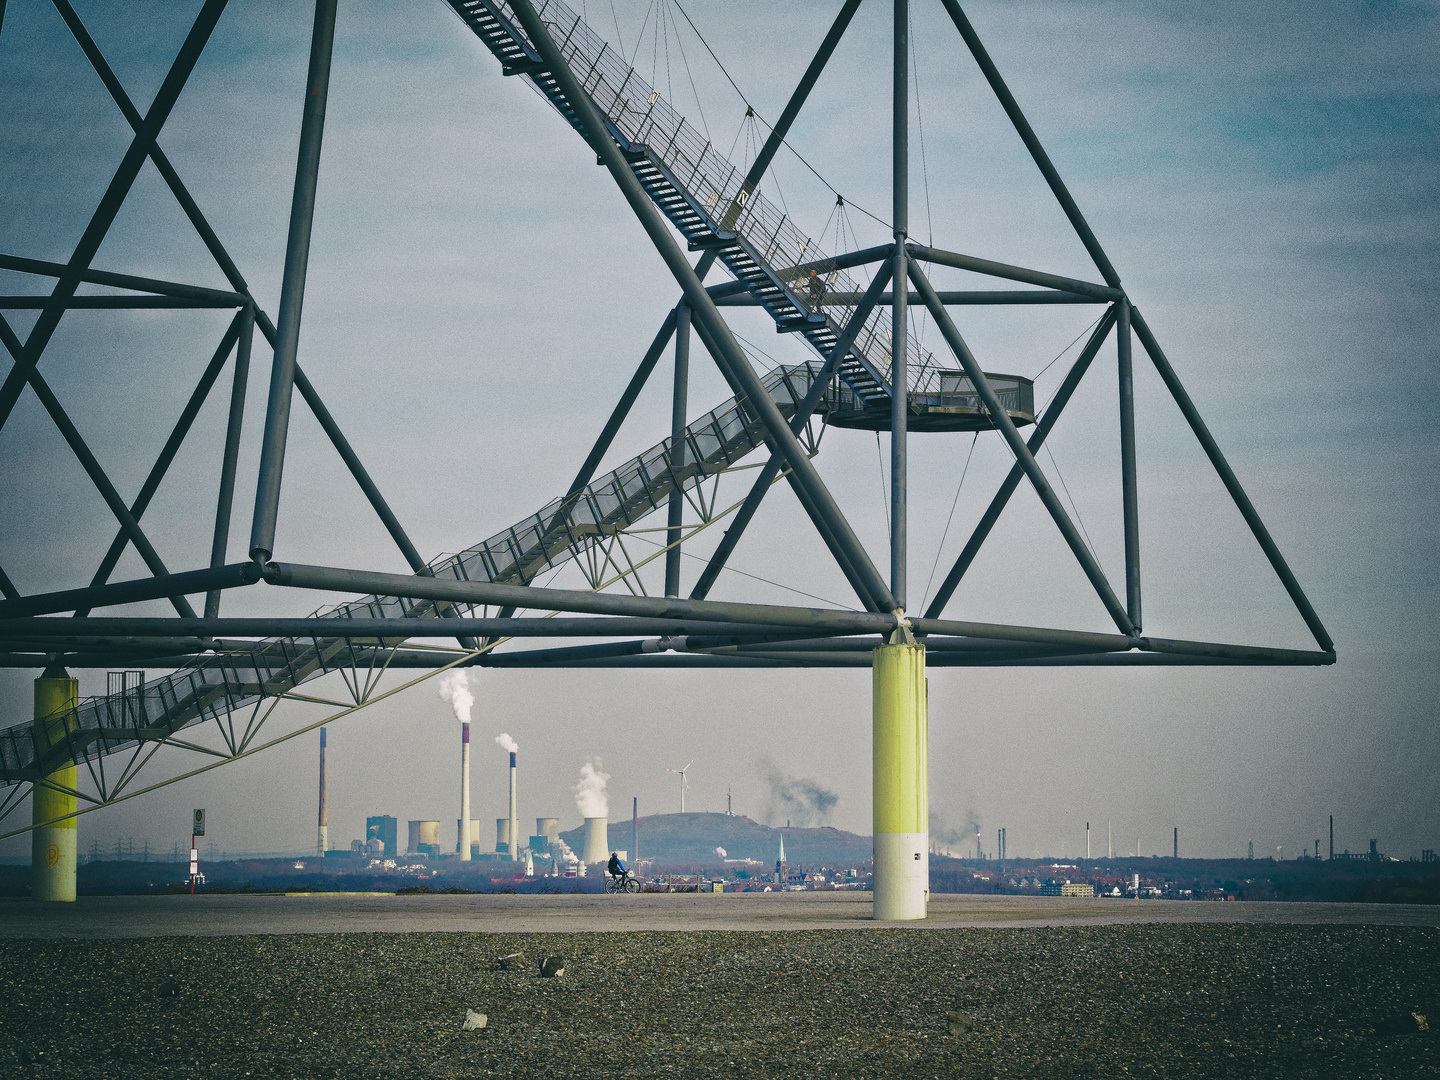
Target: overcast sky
pixel 1264 178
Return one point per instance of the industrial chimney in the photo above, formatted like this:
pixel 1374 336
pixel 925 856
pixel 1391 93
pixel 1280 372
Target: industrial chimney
pixel 322 840
pixel 514 817
pixel 464 838
pixel 597 840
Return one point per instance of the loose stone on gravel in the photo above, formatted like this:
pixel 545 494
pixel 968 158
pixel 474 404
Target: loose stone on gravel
pixel 552 967
pixel 514 962
pixel 474 1021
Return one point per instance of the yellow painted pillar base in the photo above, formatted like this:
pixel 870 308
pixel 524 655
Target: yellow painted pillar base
pixel 902 795
pixel 53 847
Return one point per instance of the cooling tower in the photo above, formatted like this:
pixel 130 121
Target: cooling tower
pixel 424 834
pixel 502 834
pixel 474 834
pixel 548 827
pixel 597 840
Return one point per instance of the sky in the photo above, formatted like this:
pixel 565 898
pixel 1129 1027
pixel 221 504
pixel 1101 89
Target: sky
pixel 1265 178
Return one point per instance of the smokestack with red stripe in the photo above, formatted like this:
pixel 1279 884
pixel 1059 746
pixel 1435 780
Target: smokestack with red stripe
pixel 322 840
pixel 504 740
pixel 465 793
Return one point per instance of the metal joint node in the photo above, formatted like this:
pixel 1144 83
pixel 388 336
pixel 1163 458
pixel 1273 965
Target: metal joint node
pixel 904 632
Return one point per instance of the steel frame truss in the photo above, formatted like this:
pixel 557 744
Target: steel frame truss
pixel 673 184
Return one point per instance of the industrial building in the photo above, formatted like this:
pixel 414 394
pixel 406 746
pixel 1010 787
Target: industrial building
pixel 384 828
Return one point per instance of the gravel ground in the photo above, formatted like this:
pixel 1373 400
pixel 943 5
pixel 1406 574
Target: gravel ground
pixel 1113 1001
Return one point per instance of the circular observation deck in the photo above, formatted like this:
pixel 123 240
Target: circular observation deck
pixel 953 405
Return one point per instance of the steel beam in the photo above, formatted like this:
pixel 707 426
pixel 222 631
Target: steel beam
pixel 347 453
pixel 162 165
pixel 120 184
pixel 170 449
pixel 292 288
pixel 26 366
pixel 899 357
pixel 131 592
pixel 830 620
pixel 838 552
pixel 706 316
pixel 1022 453
pixel 358 471
pixel 1017 471
pixel 679 449
pixel 225 499
pixel 801 416
pixel 1032 143
pixel 1231 482
pixel 673 661
pixel 325 627
pixel 1064 285
pixel 210 297
pixel 863 257
pixel 76 303
pixel 622 407
pixel 1128 484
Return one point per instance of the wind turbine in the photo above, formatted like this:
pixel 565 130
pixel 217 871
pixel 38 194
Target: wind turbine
pixel 683 783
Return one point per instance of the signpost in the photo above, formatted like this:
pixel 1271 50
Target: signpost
pixel 198 829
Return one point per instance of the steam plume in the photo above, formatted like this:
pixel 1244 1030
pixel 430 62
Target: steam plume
pixel 507 743
pixel 722 852
pixel 590 795
pixel 454 687
pixel 803 801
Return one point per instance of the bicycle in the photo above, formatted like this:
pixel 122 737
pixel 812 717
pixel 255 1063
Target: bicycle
pixel 626 883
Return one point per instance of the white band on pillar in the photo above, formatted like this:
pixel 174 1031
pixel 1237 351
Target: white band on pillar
pixel 902 875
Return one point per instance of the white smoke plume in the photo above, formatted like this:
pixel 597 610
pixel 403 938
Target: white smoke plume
pixel 590 795
pixel 722 852
pixel 507 743
pixel 454 687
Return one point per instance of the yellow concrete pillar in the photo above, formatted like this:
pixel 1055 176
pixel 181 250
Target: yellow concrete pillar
pixel 52 847
pixel 902 795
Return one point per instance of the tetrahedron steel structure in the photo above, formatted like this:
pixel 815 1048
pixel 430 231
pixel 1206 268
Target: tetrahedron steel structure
pixel 231 673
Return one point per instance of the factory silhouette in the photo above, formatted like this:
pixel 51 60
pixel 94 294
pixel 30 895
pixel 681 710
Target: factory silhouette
pixel 747 850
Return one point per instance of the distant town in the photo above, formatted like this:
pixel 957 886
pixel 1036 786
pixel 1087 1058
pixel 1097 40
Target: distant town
pixel 728 853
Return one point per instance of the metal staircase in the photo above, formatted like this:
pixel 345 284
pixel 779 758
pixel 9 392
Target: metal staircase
pixel 218 687
pixel 703 195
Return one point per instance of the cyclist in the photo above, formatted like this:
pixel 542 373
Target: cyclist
pixel 616 867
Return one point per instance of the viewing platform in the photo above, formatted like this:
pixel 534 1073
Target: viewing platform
pixel 953 405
